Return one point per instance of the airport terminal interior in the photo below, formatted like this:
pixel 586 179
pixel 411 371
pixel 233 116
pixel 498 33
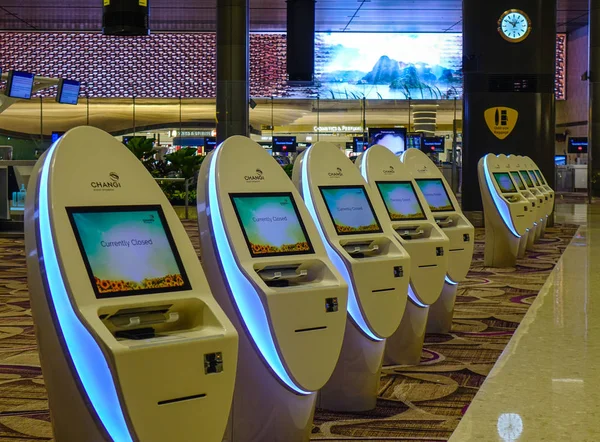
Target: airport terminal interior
pixel 299 220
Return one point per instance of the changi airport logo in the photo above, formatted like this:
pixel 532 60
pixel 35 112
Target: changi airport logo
pixel 389 171
pixel 258 176
pixel 107 185
pixel 337 174
pixel 149 220
pixel 501 121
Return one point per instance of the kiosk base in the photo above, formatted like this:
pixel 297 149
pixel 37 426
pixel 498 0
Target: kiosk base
pixel 405 345
pixel 441 312
pixel 263 409
pixel 543 228
pixel 523 243
pixel 533 233
pixel 354 383
pixel 501 247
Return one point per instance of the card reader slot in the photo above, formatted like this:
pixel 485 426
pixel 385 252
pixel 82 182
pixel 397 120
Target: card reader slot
pixel 360 249
pixel 302 330
pixel 457 250
pixel 427 266
pixel 444 223
pixel 383 290
pixel 182 399
pixel 409 233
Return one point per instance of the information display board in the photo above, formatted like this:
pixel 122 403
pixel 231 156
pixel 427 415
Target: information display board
pixel 68 91
pixel 504 182
pixel 271 224
pixel 128 250
pixel 19 85
pixel 350 210
pixel 436 195
pixel 401 201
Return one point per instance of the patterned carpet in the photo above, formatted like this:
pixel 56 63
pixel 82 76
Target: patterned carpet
pixel 421 403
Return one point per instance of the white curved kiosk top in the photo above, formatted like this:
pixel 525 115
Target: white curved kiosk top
pixel 449 217
pixel 411 219
pixel 133 345
pixel 257 235
pixel 363 248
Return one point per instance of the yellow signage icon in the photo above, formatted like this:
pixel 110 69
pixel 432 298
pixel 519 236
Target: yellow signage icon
pixel 106 2
pixel 501 121
pixel 143 2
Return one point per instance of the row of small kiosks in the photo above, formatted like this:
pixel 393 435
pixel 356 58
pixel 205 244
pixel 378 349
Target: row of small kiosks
pixel 133 346
pixel 517 203
pixel 447 214
pixel 417 231
pixel 360 242
pixel 269 270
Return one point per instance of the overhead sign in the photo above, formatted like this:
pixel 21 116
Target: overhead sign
pixel 338 128
pixel 501 121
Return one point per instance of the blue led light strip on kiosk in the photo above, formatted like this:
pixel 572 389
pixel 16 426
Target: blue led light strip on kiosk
pixel 90 365
pixel 500 204
pixel 353 307
pixel 248 302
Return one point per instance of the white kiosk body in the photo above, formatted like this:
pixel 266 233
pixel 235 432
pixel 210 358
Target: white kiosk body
pixel 419 234
pixel 523 168
pixel 132 344
pixel 506 212
pixel 454 224
pixel 513 165
pixel 374 264
pixel 269 270
pixel 542 186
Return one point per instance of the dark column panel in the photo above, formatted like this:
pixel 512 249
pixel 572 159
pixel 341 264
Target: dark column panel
pixel 517 76
pixel 594 91
pixel 301 40
pixel 125 17
pixel 233 43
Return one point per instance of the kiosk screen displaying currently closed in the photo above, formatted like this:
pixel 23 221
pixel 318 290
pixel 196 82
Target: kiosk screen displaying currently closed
pixel 527 178
pixel 518 180
pixel 128 250
pixel 350 210
pixel 504 182
pixel 436 195
pixel 401 201
pixel 540 177
pixel 534 178
pixel 271 224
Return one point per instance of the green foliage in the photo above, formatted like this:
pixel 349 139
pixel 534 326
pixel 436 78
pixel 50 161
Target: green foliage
pixel 186 162
pixel 142 148
pixel 288 168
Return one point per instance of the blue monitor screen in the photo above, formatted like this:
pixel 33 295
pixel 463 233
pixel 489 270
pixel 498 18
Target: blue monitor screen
pixel 210 143
pixel 56 136
pixel 360 144
pixel 560 160
pixel 20 84
pixel 68 92
pixel 434 144
pixel 284 144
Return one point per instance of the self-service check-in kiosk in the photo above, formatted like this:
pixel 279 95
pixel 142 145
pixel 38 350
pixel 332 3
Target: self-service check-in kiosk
pixel 454 224
pixel 512 164
pixel 269 270
pixel 523 169
pixel 362 246
pixel 506 213
pixel 542 186
pixel 419 234
pixel 132 344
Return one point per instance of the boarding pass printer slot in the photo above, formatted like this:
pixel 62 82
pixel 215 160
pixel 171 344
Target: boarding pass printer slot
pixel 281 276
pixel 361 249
pixel 409 233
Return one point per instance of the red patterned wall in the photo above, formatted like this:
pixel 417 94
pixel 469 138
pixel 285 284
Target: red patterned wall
pixel 160 65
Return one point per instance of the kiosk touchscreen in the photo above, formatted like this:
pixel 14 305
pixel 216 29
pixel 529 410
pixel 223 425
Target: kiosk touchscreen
pixel 506 212
pixel 132 343
pixel 447 214
pixel 543 187
pixel 523 168
pixel 352 223
pixel 409 216
pixel 269 270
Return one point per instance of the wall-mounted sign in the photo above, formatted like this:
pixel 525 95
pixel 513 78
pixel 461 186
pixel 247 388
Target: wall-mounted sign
pixel 501 121
pixel 338 128
pixel 106 2
pixel 192 133
pixel 143 2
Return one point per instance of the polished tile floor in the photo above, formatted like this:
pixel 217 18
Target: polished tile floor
pixel 546 384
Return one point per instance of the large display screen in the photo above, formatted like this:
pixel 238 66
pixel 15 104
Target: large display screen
pixel 436 195
pixel 504 182
pixel 527 178
pixel 401 200
pixel 394 139
pixel 350 210
pixel 128 250
pixel 19 84
pixel 359 144
pixel 68 91
pixel 518 180
pixel 271 224
pixel 540 177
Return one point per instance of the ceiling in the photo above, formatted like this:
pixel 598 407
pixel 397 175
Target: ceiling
pixel 266 15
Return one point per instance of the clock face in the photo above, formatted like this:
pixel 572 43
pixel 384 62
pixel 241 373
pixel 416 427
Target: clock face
pixel 514 26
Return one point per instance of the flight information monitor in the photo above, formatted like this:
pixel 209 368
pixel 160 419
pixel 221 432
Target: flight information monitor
pixel 19 84
pixel 538 174
pixel 436 195
pixel 433 145
pixel 504 182
pixel 534 177
pixel 128 250
pixel 394 139
pixel 560 160
pixel 359 144
pixel 271 224
pixel 527 178
pixel 68 91
pixel 518 180
pixel 401 200
pixel 210 143
pixel 350 210
pixel 414 140
pixel 284 144
pixel 577 145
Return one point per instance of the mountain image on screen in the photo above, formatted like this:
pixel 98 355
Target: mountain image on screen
pixel 271 225
pixel 401 201
pixel 350 210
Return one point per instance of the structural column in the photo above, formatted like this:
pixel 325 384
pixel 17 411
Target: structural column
pixel 509 90
pixel 594 92
pixel 233 48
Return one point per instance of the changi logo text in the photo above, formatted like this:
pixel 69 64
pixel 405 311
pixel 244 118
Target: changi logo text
pixel 389 171
pixel 112 184
pixel 258 176
pixel 337 174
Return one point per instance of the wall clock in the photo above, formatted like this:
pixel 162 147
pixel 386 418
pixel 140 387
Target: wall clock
pixel 514 25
